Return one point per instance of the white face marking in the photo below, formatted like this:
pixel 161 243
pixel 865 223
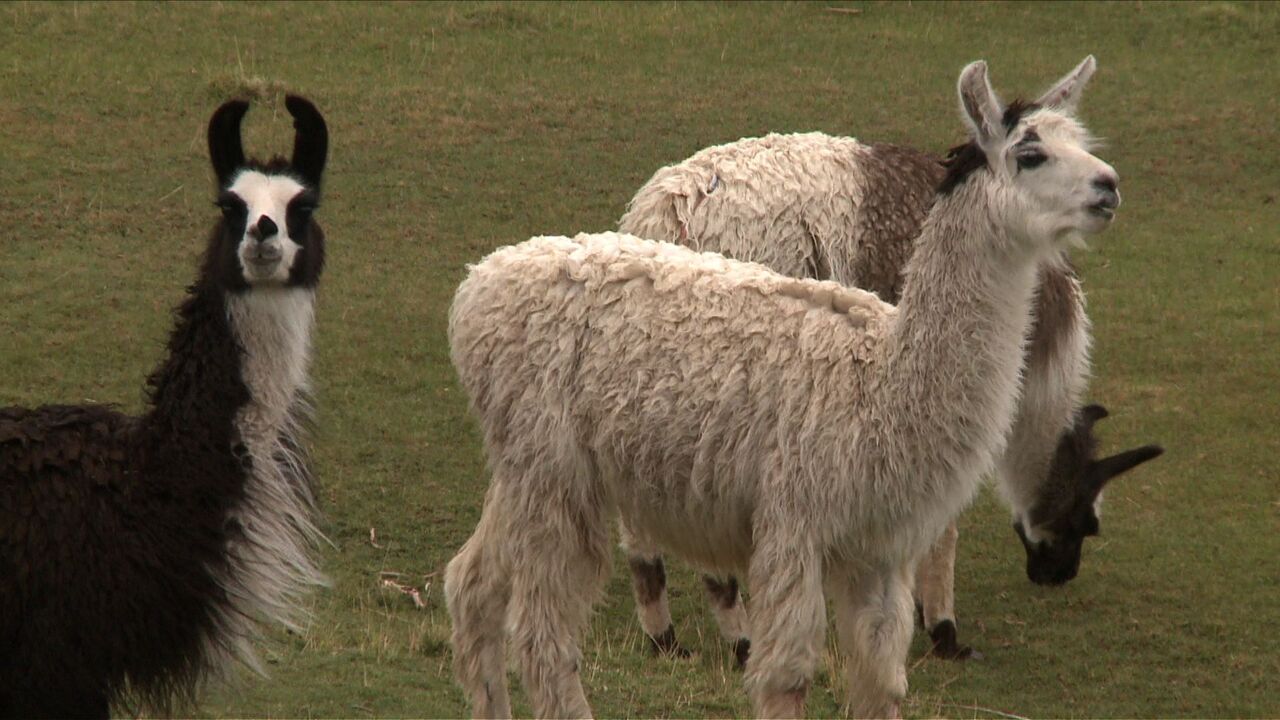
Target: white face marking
pixel 1036 534
pixel 1060 199
pixel 266 259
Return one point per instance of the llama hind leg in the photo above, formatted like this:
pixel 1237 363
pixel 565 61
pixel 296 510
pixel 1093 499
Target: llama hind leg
pixel 552 602
pixel 477 590
pixel 563 563
pixel 935 596
pixel 873 619
pixel 788 624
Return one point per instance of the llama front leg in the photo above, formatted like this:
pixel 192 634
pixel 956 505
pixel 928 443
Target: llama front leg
pixel 731 616
pixel 649 584
pixel 788 623
pixel 935 595
pixel 873 620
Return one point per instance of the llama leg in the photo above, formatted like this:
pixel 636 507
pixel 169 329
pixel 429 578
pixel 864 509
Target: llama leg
pixel 873 619
pixel 788 622
pixel 731 616
pixel 563 561
pixel 552 598
pixel 477 591
pixel 649 583
pixel 935 592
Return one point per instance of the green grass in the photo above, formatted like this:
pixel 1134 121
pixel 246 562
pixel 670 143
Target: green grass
pixel 458 128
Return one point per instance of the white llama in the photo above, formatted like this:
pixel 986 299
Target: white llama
pixel 808 434
pixel 833 208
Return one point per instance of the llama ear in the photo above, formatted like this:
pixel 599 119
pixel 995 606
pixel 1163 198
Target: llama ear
pixel 1065 94
pixel 1119 463
pixel 979 104
pixel 225 151
pixel 310 139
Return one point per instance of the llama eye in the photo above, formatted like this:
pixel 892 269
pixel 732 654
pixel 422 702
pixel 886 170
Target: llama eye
pixel 1028 160
pixel 231 208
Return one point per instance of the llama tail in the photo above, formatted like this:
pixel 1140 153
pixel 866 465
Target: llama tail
pixel 477 589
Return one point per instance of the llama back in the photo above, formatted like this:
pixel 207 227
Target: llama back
pixel 676 368
pixel 806 205
pixel 85 549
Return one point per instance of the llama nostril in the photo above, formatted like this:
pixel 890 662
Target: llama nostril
pixel 1106 188
pixel 264 228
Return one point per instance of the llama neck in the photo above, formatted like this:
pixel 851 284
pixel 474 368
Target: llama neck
pixel 228 402
pixel 269 564
pixel 199 383
pixel 273 328
pixel 233 357
pixel 953 359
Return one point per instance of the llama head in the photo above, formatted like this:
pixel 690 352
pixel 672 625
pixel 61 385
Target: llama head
pixel 267 236
pixel 1053 531
pixel 1046 185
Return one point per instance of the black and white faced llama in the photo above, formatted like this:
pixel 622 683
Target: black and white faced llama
pixel 186 526
pixel 1057 524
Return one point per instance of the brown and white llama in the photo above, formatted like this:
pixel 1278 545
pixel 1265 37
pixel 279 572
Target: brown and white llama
pixel 193 522
pixel 833 208
pixel 806 433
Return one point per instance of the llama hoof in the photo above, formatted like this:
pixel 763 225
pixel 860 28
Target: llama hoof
pixel 946 646
pixel 666 644
pixel 741 651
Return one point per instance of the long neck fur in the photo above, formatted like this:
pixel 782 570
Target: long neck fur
pixel 224 442
pixel 944 396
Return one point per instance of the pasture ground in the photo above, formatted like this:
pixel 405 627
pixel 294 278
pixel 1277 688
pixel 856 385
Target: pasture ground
pixel 459 128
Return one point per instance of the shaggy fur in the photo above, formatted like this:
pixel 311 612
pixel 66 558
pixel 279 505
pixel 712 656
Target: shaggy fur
pixel 813 205
pixel 806 433
pixel 140 553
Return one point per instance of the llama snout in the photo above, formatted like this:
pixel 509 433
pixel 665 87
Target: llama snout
pixel 263 229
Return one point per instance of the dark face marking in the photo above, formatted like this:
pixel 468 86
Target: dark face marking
pixel 1027 154
pixel 964 160
pixel 306 166
pixel 1065 511
pixel 1052 562
pixel 1030 159
pixel 305 231
pixel 222 257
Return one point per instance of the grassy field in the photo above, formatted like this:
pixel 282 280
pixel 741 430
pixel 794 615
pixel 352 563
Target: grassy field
pixel 459 128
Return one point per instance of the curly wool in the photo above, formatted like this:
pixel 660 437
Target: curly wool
pixel 608 334
pixel 727 413
pixel 804 204
pixel 814 205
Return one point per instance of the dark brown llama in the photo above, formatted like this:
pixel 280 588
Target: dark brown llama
pixel 186 526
